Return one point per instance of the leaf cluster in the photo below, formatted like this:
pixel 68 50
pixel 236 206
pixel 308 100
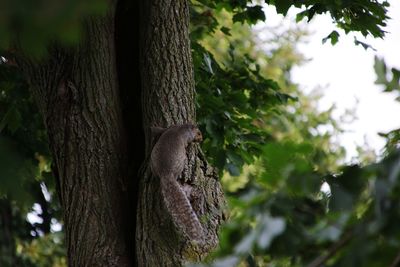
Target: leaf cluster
pixel 290 208
pixel 25 174
pixel 389 78
pixel 282 218
pixel 32 25
pixel 233 102
pixel 367 17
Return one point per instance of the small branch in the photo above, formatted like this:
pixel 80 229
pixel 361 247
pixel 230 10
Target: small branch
pixel 332 250
pixel 396 261
pixel 8 57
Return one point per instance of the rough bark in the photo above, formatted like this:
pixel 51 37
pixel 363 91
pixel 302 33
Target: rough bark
pixel 168 95
pixel 77 92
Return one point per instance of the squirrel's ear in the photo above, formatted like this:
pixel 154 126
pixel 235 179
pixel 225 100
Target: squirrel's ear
pixel 156 131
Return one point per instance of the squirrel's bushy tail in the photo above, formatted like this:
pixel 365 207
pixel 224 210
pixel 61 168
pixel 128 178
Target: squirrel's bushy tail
pixel 180 209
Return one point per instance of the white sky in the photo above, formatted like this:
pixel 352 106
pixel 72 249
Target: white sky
pixel 346 72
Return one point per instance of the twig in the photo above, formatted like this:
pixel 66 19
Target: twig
pixel 396 261
pixel 331 251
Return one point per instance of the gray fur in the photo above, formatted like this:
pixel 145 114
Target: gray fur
pixel 168 159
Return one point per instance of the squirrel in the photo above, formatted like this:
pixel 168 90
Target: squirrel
pixel 168 159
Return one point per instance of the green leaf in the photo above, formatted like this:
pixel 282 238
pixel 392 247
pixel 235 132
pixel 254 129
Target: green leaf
pixel 12 119
pixel 333 36
pixel 340 199
pixel 226 30
pixel 395 82
pixel 380 70
pixel 364 45
pixel 282 6
pixel 251 15
pixel 16 169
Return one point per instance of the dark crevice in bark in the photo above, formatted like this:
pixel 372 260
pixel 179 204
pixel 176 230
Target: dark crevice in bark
pixel 127 53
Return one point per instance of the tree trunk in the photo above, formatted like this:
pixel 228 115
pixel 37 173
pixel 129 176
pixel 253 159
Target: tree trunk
pixel 97 141
pixel 168 97
pixel 77 93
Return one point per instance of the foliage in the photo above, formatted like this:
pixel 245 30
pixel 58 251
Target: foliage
pixel 279 215
pixel 46 251
pixel 24 169
pixel 239 109
pixel 390 80
pixel 235 137
pixel 364 16
pixel 32 25
pixel 283 218
pixel 24 154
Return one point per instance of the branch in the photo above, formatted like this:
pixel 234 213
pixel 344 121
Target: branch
pixel 8 57
pixel 332 250
pixel 396 261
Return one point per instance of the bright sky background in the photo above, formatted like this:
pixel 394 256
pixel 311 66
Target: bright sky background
pixel 346 73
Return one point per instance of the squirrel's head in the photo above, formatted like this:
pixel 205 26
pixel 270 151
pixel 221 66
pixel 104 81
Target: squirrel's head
pixel 198 137
pixel 195 133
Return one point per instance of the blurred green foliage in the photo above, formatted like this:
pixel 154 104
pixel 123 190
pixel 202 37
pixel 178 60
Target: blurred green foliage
pixel 25 177
pixel 33 25
pixel 291 202
pixel 389 79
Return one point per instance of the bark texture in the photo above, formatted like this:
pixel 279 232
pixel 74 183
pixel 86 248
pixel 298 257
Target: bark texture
pixel 168 98
pixel 77 93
